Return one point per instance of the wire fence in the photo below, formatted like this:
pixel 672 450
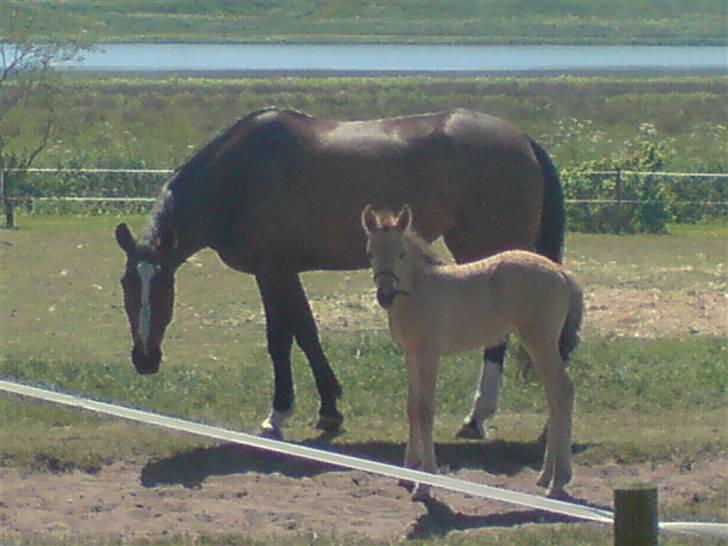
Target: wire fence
pixel 592 194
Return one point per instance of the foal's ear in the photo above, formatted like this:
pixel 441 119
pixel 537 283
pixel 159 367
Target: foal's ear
pixel 124 238
pixel 404 218
pixel 369 220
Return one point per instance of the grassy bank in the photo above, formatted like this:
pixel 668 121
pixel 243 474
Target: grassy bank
pixel 463 21
pixel 158 122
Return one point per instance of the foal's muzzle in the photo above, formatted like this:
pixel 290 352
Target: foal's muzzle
pixel 387 288
pixel 146 362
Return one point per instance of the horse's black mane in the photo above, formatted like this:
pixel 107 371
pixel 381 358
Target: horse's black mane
pixel 186 173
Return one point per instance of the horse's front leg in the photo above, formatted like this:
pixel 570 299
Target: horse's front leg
pixel 279 336
pixel 289 316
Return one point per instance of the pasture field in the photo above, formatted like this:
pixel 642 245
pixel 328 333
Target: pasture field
pixel 464 21
pixel 650 378
pixel 156 122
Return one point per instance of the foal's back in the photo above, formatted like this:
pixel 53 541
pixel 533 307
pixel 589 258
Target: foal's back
pixel 481 302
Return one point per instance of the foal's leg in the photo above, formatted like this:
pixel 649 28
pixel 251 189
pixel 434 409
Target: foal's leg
pixel 559 389
pixel 485 403
pixel 423 374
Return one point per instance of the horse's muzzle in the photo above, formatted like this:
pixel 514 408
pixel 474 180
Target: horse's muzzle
pixel 146 362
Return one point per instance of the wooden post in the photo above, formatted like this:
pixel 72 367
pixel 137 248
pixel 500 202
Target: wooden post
pixel 635 515
pixel 619 224
pixel 6 202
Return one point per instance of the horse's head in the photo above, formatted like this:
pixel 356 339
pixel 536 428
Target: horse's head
pixel 387 251
pixel 148 284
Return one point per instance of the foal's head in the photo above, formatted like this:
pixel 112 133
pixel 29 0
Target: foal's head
pixel 387 250
pixel 148 284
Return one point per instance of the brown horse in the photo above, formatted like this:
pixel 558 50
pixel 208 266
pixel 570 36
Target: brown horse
pixel 280 192
pixel 436 309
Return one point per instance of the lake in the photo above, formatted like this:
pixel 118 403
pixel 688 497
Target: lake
pixel 397 58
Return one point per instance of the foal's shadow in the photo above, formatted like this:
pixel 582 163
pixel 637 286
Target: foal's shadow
pixel 191 468
pixel 440 520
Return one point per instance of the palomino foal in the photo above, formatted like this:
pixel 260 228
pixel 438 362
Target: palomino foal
pixel 437 309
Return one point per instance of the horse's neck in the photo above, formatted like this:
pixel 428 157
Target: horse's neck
pixel 187 228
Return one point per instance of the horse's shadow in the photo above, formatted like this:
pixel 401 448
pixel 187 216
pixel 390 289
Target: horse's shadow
pixel 191 468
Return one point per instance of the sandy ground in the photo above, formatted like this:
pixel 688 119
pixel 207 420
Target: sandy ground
pixel 137 502
pixel 227 490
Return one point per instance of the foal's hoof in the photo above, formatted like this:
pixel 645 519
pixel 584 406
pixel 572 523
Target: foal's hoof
pixel 470 431
pixel 330 423
pixel 407 484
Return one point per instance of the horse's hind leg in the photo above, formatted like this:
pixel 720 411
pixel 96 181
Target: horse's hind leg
pixel 485 403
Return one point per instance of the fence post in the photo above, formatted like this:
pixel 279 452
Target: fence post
pixel 635 515
pixel 618 198
pixel 6 201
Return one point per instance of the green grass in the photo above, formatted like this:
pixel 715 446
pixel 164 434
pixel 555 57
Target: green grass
pixel 462 21
pixel 638 384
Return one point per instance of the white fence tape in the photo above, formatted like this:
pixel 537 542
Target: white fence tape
pixel 460 486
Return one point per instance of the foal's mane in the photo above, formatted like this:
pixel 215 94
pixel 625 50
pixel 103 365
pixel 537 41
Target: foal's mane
pixel 388 221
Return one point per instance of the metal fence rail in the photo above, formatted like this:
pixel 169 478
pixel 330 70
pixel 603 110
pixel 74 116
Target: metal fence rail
pixel 10 201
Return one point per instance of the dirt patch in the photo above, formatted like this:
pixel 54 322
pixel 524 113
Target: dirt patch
pixel 224 491
pixel 610 312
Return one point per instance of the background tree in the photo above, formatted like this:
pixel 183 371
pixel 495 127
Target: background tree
pixel 28 82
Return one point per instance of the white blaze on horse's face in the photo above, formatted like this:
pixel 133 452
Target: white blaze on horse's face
pixel 146 272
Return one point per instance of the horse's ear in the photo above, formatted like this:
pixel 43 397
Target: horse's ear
pixel 124 238
pixel 404 218
pixel 167 241
pixel 369 219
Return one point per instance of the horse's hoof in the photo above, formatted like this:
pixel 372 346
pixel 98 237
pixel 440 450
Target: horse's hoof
pixel 470 431
pixel 558 493
pixel 422 493
pixel 270 432
pixel 330 423
pixel 544 481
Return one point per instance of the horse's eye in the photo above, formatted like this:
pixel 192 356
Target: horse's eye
pixel 401 256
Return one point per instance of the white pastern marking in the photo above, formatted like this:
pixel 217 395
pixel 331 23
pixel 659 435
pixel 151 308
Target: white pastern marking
pixel 486 399
pixel 146 272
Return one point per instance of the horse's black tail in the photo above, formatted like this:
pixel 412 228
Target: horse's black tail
pixel 569 338
pixel 553 215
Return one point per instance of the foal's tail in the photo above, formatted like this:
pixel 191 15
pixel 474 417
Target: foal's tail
pixel 570 332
